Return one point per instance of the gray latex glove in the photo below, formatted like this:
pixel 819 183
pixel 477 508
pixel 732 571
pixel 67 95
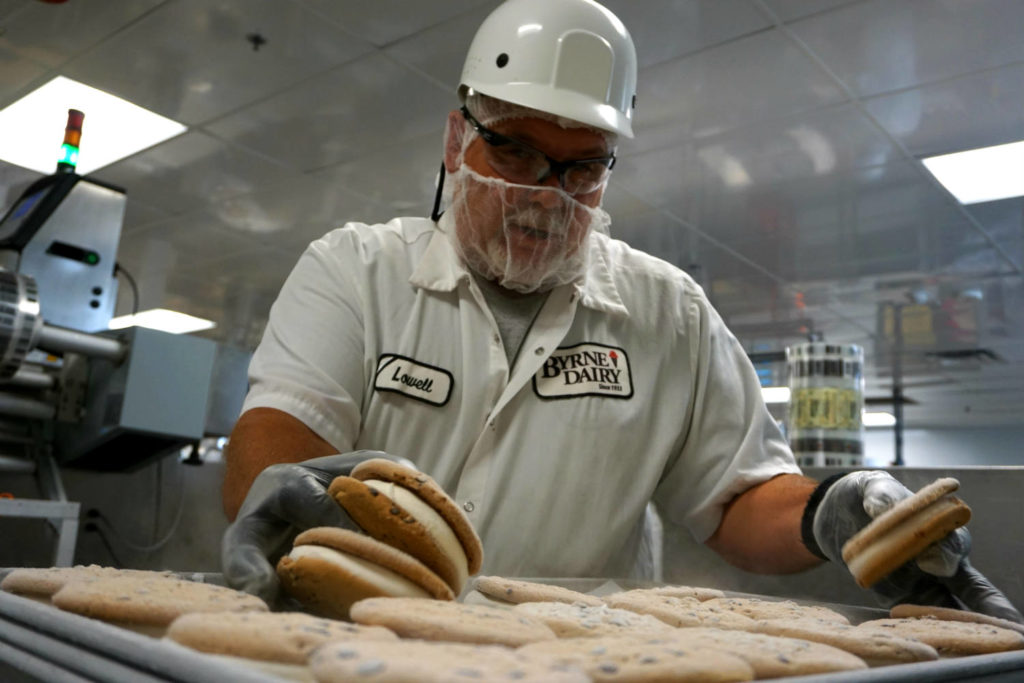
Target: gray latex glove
pixel 940 576
pixel 284 500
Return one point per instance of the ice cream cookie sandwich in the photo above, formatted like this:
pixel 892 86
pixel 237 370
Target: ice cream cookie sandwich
pixel 408 510
pixel 903 531
pixel 328 569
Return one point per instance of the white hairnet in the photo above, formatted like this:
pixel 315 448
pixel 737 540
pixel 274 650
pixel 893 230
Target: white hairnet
pixel 527 238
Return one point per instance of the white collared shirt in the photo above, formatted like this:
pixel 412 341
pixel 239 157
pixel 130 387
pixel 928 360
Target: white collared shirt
pixel 627 388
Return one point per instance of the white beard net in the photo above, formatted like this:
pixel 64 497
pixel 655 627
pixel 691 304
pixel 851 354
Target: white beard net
pixel 525 238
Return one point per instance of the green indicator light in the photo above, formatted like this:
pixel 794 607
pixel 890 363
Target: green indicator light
pixel 92 258
pixel 68 155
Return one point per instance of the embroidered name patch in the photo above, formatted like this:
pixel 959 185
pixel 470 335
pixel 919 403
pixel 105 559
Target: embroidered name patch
pixel 414 379
pixel 585 370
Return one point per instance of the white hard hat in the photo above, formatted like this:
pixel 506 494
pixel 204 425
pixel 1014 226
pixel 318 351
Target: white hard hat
pixel 570 58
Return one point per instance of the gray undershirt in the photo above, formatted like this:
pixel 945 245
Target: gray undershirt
pixel 514 312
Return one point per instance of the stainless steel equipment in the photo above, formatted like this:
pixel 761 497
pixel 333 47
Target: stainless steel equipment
pixel 139 408
pixel 77 393
pixel 64 231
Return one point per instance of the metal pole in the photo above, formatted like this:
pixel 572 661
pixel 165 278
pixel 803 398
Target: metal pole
pixel 60 339
pixel 34 379
pixel 12 465
pixel 25 407
pixel 897 383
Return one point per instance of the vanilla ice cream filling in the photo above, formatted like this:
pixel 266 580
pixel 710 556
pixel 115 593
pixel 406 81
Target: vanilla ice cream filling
pixel 432 520
pixel 389 582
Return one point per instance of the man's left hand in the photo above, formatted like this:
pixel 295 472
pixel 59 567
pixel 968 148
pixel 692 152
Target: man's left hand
pixel 942 575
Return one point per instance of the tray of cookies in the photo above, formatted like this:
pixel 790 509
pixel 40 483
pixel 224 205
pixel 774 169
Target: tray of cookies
pixel 106 624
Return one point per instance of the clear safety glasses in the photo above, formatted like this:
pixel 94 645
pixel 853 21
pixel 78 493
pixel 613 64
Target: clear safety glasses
pixel 521 163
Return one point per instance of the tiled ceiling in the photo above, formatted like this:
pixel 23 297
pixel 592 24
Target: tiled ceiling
pixel 776 158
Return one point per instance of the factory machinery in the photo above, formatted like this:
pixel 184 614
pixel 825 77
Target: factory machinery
pixel 72 391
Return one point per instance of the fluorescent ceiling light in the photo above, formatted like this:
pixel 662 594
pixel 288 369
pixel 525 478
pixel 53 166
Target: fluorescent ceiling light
pixel 775 394
pixel 113 128
pixel 981 175
pixel 878 419
pixel 163 319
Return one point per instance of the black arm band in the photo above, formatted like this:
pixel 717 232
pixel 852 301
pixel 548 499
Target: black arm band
pixel 807 520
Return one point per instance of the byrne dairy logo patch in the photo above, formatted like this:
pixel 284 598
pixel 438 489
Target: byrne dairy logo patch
pixel 585 370
pixel 412 378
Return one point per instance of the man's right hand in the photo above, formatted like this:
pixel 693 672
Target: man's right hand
pixel 284 500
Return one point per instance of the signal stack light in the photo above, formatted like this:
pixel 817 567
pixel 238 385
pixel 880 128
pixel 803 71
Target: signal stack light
pixel 68 159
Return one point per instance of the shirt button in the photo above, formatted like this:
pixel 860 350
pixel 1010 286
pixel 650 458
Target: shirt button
pixel 539 350
pixel 468 506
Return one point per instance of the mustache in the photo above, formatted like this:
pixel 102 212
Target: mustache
pixel 555 222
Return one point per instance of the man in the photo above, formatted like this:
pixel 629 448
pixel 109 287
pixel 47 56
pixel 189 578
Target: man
pixel 552 380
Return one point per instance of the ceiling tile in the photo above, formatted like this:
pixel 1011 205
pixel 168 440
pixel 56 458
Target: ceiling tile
pixel 806 145
pixel 236 292
pixel 866 221
pixel 1003 220
pixel 977 110
pixel 53 33
pixel 191 60
pixel 400 175
pixel 138 214
pixel 788 10
pixel 17 74
pixel 644 226
pixel 385 21
pixel 439 52
pixel 881 46
pixel 665 30
pixel 760 77
pixel 9 7
pixel 662 174
pixel 351 111
pixel 183 242
pixel 289 215
pixel 191 170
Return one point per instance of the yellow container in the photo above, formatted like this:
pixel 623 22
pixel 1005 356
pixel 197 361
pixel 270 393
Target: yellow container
pixel 826 383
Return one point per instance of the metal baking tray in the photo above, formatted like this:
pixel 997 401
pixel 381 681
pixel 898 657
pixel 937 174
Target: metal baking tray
pixel 47 644
pixel 43 643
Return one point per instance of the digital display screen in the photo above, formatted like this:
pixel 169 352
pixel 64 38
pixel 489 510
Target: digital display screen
pixel 16 216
